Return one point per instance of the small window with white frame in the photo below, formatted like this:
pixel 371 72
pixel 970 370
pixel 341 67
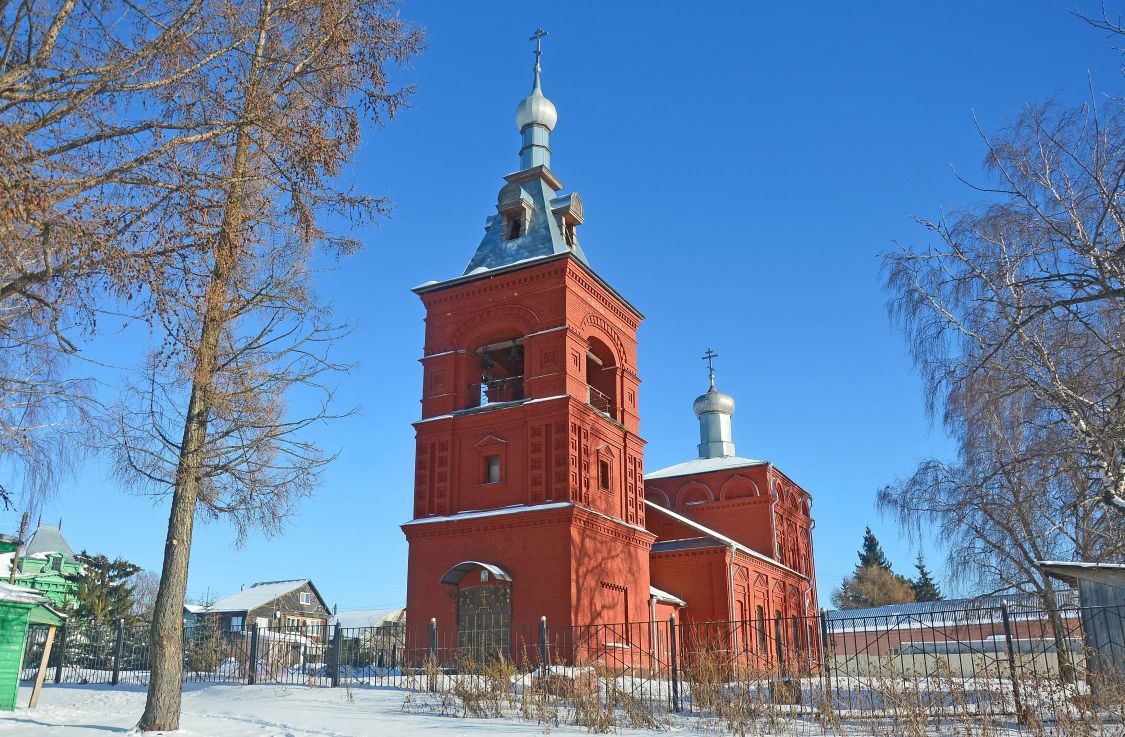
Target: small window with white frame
pixel 236 624
pixel 306 598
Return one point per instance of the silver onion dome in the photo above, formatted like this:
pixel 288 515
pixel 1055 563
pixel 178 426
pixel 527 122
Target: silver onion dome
pixel 713 401
pixel 535 109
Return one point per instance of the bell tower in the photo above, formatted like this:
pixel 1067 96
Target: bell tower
pixel 528 492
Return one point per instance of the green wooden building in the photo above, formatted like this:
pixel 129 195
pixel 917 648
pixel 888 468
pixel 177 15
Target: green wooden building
pixel 19 607
pixel 48 565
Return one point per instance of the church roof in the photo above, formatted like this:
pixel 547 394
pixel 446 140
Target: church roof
pixel 703 465
pixel 48 539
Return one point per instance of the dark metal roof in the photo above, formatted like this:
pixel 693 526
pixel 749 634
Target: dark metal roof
pixel 48 539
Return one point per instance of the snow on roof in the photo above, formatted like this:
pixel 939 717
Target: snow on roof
pixel 19 595
pixel 703 465
pixel 357 618
pixel 48 539
pixel 256 595
pixel 514 509
pixel 948 612
pixel 719 536
pixel 665 596
pixel 474 514
pixel 1110 574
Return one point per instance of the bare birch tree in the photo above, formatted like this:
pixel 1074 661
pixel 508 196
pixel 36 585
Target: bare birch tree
pixel 1026 294
pixel 207 421
pixel 1016 318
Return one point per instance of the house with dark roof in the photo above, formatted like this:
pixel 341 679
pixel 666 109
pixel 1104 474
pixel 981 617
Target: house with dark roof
pixel 293 606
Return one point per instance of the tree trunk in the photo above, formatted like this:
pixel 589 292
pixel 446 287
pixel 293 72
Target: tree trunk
pixel 162 707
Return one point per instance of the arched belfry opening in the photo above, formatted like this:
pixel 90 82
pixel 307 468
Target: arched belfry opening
pixel 601 378
pixel 501 373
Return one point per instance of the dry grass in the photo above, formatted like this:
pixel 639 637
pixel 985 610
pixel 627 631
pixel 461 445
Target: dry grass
pixel 721 697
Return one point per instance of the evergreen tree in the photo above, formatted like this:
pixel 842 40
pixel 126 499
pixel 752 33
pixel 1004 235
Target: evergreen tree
pixel 105 591
pixel 925 588
pixel 871 554
pixel 872 586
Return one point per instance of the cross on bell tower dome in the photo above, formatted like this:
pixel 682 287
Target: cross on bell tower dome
pixel 534 219
pixel 714 410
pixel 536 116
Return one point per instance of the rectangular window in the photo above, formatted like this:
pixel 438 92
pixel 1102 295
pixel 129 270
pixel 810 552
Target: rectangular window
pixel 236 624
pixel 262 622
pixel 306 598
pixel 56 564
pixel 492 469
pixel 603 475
pixel 292 624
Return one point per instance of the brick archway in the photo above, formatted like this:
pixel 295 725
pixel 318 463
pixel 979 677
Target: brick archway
pixel 484 609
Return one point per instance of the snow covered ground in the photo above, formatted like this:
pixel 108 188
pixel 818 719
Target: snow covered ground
pixel 225 710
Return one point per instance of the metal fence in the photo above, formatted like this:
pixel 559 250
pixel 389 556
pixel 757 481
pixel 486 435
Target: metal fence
pixel 989 661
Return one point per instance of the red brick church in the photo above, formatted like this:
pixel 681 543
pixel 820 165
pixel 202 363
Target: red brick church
pixel 530 496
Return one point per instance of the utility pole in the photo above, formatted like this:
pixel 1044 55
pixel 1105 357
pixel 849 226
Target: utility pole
pixel 19 547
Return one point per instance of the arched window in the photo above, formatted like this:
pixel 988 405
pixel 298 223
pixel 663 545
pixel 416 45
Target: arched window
pixel 763 644
pixel 779 635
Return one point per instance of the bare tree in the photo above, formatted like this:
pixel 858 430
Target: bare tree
pixel 1026 294
pixel 87 163
pixel 207 420
pixel 1016 495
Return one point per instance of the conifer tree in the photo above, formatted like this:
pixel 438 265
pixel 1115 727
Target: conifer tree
pixel 925 588
pixel 872 586
pixel 105 591
pixel 871 554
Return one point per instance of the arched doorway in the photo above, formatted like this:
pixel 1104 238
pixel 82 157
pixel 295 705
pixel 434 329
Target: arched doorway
pixel 484 609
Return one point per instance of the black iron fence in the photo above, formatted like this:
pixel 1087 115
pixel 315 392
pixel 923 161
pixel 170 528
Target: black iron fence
pixel 988 662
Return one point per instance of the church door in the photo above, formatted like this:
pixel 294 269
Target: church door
pixel 484 621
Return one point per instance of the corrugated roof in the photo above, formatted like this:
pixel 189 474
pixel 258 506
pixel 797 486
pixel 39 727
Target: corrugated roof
pixel 48 539
pixel 258 594
pixel 947 612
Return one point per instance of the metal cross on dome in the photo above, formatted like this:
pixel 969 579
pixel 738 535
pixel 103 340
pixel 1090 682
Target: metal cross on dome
pixel 537 37
pixel 710 357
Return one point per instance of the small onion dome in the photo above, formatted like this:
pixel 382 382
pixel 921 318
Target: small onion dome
pixel 535 109
pixel 714 401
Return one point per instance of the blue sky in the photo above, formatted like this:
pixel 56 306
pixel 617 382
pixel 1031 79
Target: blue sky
pixel 741 164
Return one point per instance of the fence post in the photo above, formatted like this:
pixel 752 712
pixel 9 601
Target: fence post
pixel 824 669
pixel 433 637
pixel 252 674
pixel 118 645
pixel 62 653
pixel 337 640
pixel 1012 662
pixel 543 645
pixel 674 661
